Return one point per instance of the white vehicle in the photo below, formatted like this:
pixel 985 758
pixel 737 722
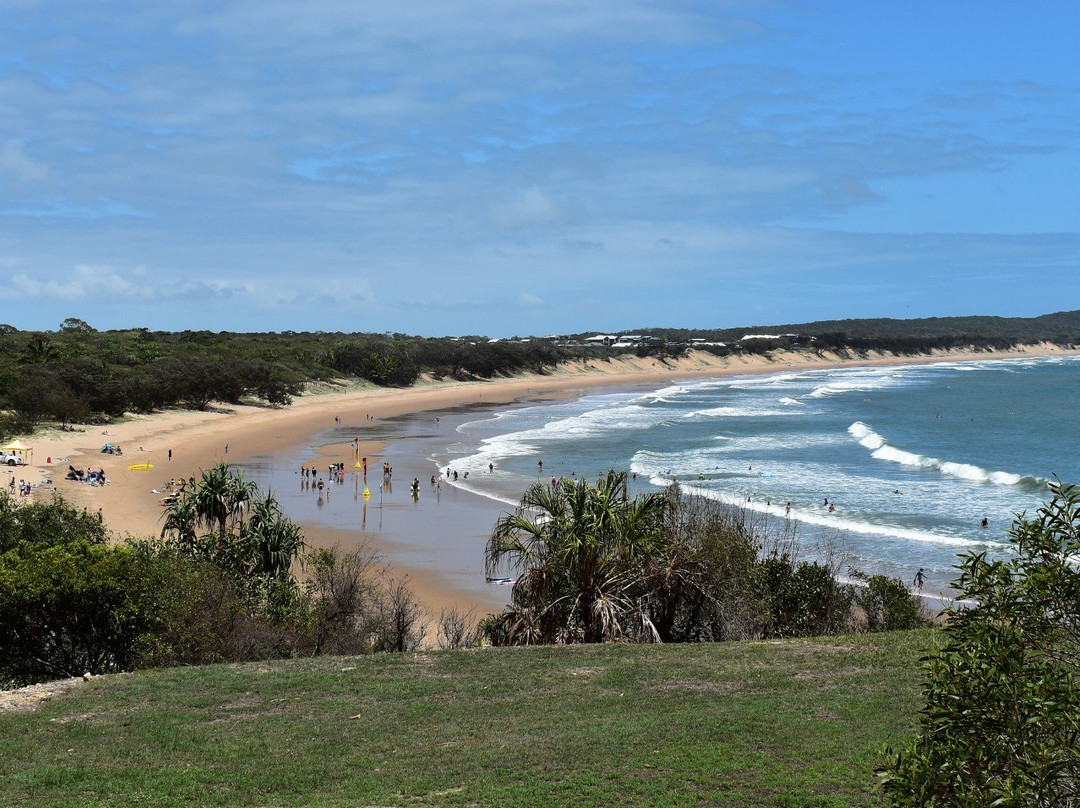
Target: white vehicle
pixel 10 459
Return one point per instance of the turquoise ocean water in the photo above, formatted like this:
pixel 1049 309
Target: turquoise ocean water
pixel 912 457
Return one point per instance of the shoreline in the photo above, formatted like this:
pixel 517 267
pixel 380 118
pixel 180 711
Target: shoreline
pixel 244 434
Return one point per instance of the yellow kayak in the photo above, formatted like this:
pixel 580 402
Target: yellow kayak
pixel 141 467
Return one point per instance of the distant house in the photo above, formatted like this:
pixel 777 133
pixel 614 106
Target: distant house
pixel 601 339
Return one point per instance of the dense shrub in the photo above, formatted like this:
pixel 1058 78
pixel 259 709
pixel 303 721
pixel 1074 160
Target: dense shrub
pixel 46 523
pixel 706 590
pixel 72 607
pixel 71 603
pixel 594 565
pixel 802 599
pixel 1000 721
pixel 888 605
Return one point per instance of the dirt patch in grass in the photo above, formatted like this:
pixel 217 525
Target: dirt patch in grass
pixel 585 671
pixel 831 674
pixel 699 686
pixel 253 667
pixel 29 698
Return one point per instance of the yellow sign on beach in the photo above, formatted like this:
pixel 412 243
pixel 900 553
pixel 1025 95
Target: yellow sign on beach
pixel 367 494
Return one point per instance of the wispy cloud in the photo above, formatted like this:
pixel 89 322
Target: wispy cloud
pixel 17 165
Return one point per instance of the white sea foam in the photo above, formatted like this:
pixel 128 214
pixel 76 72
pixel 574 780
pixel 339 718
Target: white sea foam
pixel 792 402
pixel 837 388
pixel 865 435
pixel 739 412
pixel 480 490
pixel 838 520
pixel 881 450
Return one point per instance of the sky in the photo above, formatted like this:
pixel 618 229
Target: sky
pixel 535 167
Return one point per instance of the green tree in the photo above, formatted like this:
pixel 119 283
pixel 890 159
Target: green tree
pixel 39 351
pixel 272 540
pixel 887 604
pixel 1000 723
pixel 46 523
pixel 69 603
pixel 220 497
pixel 246 533
pixel 73 325
pixel 582 555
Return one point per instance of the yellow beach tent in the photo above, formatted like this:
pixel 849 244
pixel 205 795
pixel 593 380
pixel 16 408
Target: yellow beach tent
pixel 21 449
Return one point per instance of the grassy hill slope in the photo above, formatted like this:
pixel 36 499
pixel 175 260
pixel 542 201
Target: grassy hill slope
pixel 793 723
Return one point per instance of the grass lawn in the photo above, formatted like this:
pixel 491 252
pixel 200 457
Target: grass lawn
pixel 795 724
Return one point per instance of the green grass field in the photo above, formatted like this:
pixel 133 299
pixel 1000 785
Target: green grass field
pixel 793 723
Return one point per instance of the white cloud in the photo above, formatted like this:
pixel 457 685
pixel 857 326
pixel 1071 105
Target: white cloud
pixel 530 299
pixel 100 285
pixel 526 208
pixel 15 162
pixel 84 283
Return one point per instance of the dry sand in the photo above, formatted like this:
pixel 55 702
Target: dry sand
pixel 198 440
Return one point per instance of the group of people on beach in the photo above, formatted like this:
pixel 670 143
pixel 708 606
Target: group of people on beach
pixel 25 487
pixel 88 476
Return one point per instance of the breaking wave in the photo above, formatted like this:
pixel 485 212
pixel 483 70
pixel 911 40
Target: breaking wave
pixel 881 450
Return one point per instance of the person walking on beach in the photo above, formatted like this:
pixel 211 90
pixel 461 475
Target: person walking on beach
pixel 170 454
pixel 918 582
pixel 226 448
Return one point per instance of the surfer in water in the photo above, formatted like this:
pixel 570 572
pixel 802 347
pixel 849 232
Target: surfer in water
pixel 985 522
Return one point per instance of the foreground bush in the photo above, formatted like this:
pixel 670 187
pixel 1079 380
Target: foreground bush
pixel 70 603
pixel 67 608
pixel 594 565
pixel 1000 723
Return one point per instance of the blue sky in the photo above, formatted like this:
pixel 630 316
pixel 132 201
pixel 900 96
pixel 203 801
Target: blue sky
pixel 509 167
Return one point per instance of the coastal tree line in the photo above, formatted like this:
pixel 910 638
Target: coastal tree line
pixel 78 374
pixel 81 375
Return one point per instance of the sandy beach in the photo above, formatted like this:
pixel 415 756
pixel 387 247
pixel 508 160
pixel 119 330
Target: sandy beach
pixel 129 504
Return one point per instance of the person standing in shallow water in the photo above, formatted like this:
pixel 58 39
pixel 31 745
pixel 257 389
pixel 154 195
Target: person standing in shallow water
pixel 918 582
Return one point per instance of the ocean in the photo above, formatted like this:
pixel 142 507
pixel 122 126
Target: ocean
pixel 912 459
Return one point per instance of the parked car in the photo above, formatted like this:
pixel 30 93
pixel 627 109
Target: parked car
pixel 10 459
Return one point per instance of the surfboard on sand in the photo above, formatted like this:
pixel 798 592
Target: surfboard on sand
pixel 141 467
